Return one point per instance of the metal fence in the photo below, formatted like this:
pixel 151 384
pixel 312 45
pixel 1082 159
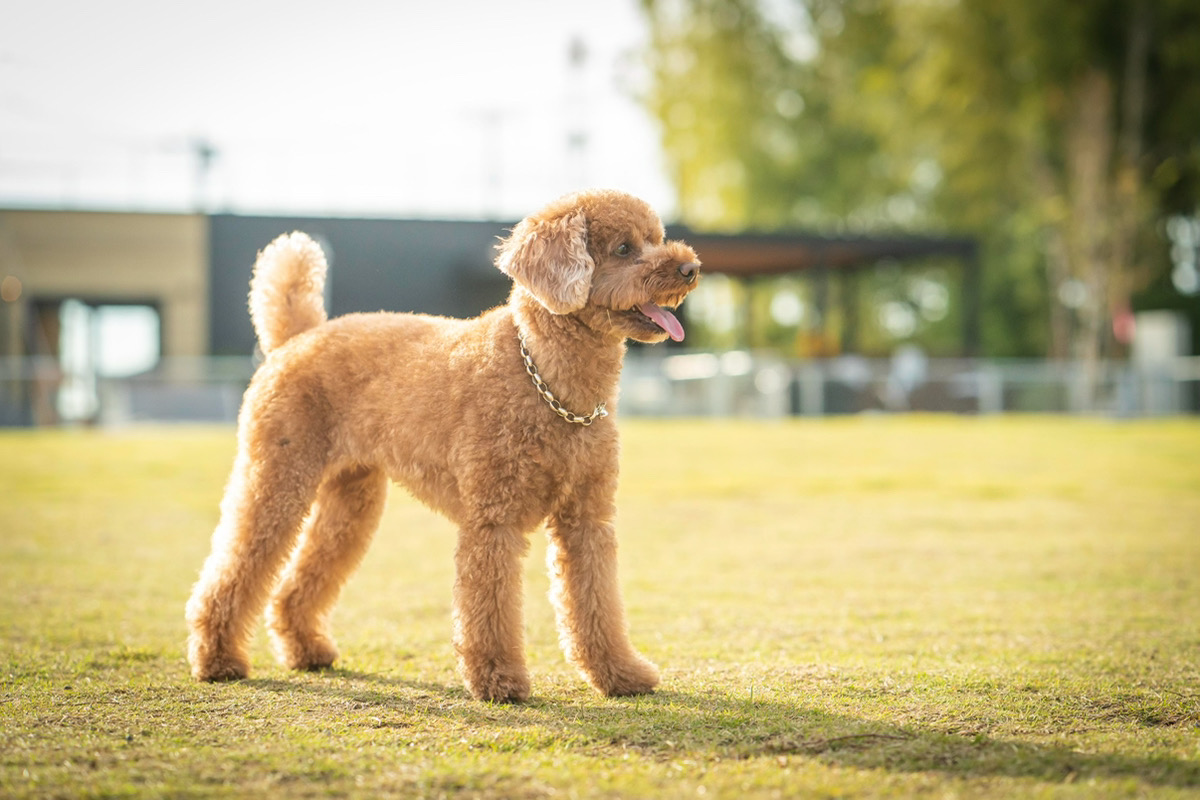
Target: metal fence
pixel 37 391
pixel 738 383
pixel 735 383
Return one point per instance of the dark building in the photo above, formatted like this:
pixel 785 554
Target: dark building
pixel 433 267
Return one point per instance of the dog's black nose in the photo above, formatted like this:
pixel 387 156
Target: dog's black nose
pixel 690 271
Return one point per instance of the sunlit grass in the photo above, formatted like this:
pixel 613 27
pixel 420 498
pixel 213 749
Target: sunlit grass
pixel 881 606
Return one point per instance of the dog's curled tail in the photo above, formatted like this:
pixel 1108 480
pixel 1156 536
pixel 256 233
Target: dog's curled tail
pixel 287 292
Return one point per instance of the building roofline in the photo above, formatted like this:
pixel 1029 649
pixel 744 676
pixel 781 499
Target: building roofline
pixel 750 254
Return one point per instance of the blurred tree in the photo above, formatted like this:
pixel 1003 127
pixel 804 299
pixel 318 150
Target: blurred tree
pixel 1061 134
pixel 754 136
pixel 1076 125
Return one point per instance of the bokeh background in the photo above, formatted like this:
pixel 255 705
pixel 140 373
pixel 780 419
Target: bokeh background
pixel 960 206
pixel 900 205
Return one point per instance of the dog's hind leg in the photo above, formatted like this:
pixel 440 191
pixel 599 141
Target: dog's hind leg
pixel 346 515
pixel 488 625
pixel 582 559
pixel 261 513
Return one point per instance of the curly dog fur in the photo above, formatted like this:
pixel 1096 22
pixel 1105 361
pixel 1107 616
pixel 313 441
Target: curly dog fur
pixel 445 408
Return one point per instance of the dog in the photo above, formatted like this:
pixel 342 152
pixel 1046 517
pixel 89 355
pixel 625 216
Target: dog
pixel 501 423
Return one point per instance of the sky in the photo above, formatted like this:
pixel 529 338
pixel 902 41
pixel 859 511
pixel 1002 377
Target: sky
pixel 444 109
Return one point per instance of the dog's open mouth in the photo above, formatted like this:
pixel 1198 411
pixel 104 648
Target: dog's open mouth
pixel 654 317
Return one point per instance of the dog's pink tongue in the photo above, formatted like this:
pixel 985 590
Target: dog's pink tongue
pixel 664 319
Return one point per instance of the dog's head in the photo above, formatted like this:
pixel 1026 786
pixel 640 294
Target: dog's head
pixel 601 256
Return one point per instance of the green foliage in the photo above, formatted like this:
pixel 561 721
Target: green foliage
pixel 1059 134
pixel 873 607
pixel 755 137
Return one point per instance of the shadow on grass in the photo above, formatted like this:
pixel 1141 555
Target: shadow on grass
pixel 674 724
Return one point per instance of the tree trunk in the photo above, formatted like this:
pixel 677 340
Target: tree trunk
pixel 1128 186
pixel 1089 142
pixel 1095 240
pixel 1058 260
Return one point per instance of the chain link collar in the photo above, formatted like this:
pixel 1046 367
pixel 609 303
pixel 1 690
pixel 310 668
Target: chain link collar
pixel 549 397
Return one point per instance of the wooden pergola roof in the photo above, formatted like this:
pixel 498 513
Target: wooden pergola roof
pixel 747 255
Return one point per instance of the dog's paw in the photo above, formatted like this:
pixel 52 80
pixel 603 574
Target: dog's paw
pixel 500 686
pixel 634 676
pixel 215 669
pixel 312 653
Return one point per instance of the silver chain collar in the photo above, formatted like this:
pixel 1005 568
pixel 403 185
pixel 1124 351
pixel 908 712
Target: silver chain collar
pixel 549 397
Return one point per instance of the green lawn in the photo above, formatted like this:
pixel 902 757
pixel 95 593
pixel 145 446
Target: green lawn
pixel 894 606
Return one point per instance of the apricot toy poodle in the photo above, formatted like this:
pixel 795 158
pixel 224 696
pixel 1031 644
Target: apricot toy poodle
pixel 500 422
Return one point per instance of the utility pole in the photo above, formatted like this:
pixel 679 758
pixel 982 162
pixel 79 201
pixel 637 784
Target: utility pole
pixel 576 108
pixel 205 153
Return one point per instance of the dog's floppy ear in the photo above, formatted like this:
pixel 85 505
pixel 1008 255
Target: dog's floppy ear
pixel 549 258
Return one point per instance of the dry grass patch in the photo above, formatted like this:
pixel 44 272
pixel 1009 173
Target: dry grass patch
pixel 874 607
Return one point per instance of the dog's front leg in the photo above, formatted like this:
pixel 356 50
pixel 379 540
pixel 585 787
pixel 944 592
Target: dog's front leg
pixel 582 559
pixel 489 631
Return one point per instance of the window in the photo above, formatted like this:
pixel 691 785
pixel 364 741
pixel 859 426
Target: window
pixel 102 341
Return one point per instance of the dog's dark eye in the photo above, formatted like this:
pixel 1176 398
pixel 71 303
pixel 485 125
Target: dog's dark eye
pixel 623 249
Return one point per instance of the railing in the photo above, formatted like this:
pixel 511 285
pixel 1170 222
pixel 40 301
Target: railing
pixel 739 383
pixel 735 383
pixel 36 391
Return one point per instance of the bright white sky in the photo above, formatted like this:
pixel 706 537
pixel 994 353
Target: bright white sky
pixel 436 108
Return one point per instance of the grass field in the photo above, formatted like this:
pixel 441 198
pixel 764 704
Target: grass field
pixel 869 607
